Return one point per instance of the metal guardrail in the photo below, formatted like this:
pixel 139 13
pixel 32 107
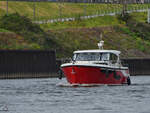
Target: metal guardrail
pixel 84 17
pixel 85 13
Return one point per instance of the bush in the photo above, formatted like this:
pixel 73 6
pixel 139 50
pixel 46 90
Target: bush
pixel 31 32
pixel 126 17
pixel 140 29
pixel 15 22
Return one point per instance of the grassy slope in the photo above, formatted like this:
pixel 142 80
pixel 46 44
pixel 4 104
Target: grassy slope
pixel 45 10
pixel 88 23
pixel 85 35
pixel 68 40
pixel 87 38
pixel 70 36
pixel 10 40
pixel 48 10
pixel 3 30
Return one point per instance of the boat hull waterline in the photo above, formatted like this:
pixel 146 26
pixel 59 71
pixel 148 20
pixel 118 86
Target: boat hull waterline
pixel 95 75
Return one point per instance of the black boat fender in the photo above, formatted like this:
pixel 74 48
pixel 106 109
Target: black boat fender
pixel 128 81
pixel 60 73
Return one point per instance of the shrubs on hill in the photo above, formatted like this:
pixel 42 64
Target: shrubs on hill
pixel 15 22
pixel 140 29
pixel 23 26
pixel 126 17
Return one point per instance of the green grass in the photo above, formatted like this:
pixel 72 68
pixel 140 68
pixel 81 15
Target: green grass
pixel 69 40
pixel 66 37
pixel 3 30
pixel 140 17
pixel 51 10
pixel 93 22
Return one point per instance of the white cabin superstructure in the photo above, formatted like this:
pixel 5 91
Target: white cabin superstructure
pixel 105 57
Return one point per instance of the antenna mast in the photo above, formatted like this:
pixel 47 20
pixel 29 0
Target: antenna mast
pixel 101 43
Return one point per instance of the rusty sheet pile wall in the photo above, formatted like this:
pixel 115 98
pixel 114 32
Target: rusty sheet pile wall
pixel 138 66
pixel 39 63
pixel 27 63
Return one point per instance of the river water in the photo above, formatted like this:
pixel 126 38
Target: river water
pixel 52 95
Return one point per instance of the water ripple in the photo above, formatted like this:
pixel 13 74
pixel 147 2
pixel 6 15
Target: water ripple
pixel 55 96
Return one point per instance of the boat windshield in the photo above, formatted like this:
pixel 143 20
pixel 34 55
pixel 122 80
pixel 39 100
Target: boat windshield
pixel 91 56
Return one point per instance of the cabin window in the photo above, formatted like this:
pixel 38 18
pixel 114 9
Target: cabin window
pixel 104 57
pixel 91 56
pixel 74 57
pixel 113 58
pixel 88 57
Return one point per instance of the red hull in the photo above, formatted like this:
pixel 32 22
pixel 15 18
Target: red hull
pixel 94 75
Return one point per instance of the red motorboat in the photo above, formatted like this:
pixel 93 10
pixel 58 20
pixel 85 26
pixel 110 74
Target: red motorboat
pixel 96 67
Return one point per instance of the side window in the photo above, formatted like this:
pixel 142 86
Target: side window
pixel 74 56
pixel 104 57
pixel 113 58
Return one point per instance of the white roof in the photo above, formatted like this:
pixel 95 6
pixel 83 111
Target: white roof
pixel 98 51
